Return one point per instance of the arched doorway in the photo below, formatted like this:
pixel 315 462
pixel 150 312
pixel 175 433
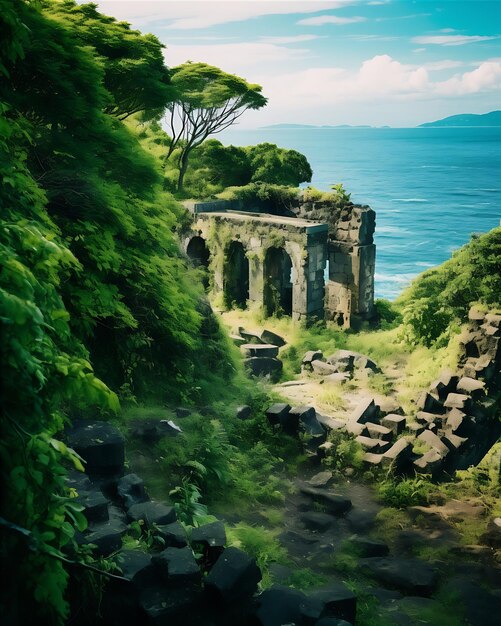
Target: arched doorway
pixel 199 255
pixel 236 275
pixel 277 282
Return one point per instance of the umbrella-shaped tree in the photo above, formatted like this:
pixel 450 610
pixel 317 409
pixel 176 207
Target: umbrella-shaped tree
pixel 207 101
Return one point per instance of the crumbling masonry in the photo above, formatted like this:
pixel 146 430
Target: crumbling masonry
pixel 279 262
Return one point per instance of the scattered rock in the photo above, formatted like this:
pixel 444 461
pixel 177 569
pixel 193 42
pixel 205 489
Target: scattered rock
pixel 407 575
pixel 471 387
pixel 458 401
pixel 259 350
pixel 376 431
pixel 396 423
pixel 366 411
pixel 333 502
pixel 131 490
pixel 492 536
pixel 279 605
pixel 178 565
pixel 330 422
pixel 323 369
pixel 369 548
pixel 268 336
pixel 234 576
pixel 152 513
pixel 243 412
pixel 316 521
pixel 101 446
pixel 173 534
pixel 309 357
pixel 182 412
pixel 137 567
pixel 249 337
pixel 107 537
pixel 95 506
pixel 264 366
pixel 429 404
pixel 277 412
pixel 336 600
pixel 212 538
pixel 322 479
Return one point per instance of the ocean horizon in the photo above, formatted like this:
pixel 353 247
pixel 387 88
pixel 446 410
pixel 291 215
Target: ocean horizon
pixel 431 188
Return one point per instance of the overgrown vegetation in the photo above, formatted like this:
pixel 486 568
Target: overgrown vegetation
pixel 437 302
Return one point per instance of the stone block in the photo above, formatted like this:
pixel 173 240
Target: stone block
pixel 107 537
pixel 259 350
pixel 131 490
pixel 398 452
pixel 152 513
pixel 137 567
pixel 316 521
pixel 101 446
pixel 427 403
pixel 429 462
pixel 434 442
pixel 335 600
pixel 279 605
pixel 396 423
pixel 454 442
pixel 277 412
pixel 249 336
pixel 95 506
pixel 178 566
pixel 264 366
pixel 323 369
pixel 233 578
pixel 334 503
pixel 269 337
pixel 471 387
pixel 378 431
pixel 366 411
pixel 369 444
pixel 458 401
pixel 407 575
pixel 174 535
pixel 369 548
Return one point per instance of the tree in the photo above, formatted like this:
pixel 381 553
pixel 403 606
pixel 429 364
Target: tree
pixel 271 164
pixel 207 101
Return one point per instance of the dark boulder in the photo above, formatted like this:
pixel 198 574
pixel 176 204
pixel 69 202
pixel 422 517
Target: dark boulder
pixel 164 606
pixel 369 548
pixel 131 490
pixel 101 446
pixel 95 506
pixel 279 605
pixel 333 502
pixel 212 539
pixel 336 601
pixel 174 535
pixel 243 412
pixel 264 366
pixel 107 537
pixel 152 513
pixel 137 567
pixel 407 575
pixel 260 350
pixel 234 577
pixel 268 336
pixel 276 413
pixel 316 521
pixel 178 566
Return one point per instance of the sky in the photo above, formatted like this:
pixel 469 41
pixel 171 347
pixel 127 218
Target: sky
pixel 376 62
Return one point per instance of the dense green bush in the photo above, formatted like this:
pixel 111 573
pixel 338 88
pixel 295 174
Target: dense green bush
pixel 439 299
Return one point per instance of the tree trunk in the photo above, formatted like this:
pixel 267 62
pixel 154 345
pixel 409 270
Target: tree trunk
pixel 183 166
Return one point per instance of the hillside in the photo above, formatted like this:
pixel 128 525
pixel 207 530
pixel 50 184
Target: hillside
pixel 467 119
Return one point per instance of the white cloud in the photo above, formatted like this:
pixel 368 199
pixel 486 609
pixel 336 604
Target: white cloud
pixel 376 3
pixel 419 50
pixel 320 20
pixel 486 77
pixel 182 15
pixel 380 79
pixel 292 39
pixel 451 40
pixel 447 30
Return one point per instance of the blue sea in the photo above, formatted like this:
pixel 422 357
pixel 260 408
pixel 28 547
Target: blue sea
pixel 431 188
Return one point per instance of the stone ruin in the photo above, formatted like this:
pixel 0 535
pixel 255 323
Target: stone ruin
pixel 278 261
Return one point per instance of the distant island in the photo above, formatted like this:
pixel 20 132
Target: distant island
pixel 467 119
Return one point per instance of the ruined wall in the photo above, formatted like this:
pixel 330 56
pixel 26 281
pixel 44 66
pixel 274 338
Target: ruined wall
pixel 304 243
pixel 352 258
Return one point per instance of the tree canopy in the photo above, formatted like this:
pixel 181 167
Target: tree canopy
pixel 207 101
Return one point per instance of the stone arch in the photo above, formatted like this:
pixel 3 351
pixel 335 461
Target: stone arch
pixel 199 254
pixel 236 275
pixel 277 282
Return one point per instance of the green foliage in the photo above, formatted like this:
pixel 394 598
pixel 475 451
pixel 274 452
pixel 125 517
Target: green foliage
pixel 186 498
pixel 388 315
pixel 346 452
pixel 261 544
pixel 213 167
pixel 439 299
pixel 275 198
pixel 400 493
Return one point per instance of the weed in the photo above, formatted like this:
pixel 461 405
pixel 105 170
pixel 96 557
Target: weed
pixel 400 493
pixel 304 578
